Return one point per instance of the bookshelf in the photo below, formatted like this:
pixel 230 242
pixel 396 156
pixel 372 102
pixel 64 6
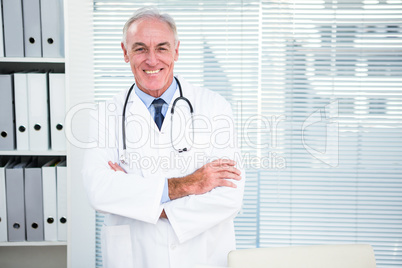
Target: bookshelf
pixel 79 249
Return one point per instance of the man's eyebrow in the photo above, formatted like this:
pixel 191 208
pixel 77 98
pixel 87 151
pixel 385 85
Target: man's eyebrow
pixel 164 44
pixel 141 44
pixel 138 44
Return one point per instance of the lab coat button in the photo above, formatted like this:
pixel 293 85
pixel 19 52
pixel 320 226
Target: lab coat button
pixel 173 246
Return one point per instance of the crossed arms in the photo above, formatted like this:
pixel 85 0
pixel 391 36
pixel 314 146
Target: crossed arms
pixel 214 174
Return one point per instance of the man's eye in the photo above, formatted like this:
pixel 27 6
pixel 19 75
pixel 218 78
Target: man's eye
pixel 140 49
pixel 162 49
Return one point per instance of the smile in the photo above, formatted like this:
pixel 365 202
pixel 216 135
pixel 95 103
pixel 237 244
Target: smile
pixel 153 72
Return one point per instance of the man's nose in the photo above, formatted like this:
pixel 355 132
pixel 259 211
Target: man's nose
pixel 152 59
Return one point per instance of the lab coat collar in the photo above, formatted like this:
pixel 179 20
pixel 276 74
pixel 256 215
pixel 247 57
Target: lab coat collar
pixel 167 96
pixel 138 108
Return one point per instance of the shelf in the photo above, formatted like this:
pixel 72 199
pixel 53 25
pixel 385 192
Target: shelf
pixel 28 244
pixel 34 153
pixel 32 60
pixel 14 65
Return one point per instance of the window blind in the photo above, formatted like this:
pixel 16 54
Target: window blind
pixel 316 90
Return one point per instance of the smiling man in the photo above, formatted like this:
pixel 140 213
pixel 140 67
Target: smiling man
pixel 170 215
pixel 151 48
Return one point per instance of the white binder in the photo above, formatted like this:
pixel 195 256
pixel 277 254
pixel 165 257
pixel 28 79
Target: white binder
pixel 33 202
pixel 7 137
pixel 15 202
pixel 49 200
pixel 13 28
pixel 21 111
pixel 61 173
pixel 1 32
pixel 4 163
pixel 38 112
pixel 32 28
pixel 52 28
pixel 57 97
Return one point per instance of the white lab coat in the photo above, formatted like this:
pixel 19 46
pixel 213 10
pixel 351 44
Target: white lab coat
pixel 199 229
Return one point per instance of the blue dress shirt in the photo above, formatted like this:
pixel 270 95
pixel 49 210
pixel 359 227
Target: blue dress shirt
pixel 167 96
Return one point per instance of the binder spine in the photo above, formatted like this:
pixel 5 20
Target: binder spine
pixel 7 117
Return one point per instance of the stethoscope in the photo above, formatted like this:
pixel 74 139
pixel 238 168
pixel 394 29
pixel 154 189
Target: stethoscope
pixel 123 156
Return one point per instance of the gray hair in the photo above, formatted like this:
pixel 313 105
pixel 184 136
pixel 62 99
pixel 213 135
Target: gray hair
pixel 153 13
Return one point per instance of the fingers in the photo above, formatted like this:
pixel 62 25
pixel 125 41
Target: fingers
pixel 233 170
pixel 222 162
pixel 230 175
pixel 111 165
pixel 227 183
pixel 116 167
pixel 225 169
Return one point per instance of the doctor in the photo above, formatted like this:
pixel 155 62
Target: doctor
pixel 166 206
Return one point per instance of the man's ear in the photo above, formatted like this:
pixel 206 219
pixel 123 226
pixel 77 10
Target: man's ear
pixel 176 56
pixel 126 59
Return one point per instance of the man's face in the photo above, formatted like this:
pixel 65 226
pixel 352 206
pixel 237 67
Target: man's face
pixel 151 51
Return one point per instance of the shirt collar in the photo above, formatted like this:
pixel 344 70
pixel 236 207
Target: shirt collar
pixel 167 96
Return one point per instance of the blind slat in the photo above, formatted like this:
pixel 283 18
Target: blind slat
pixel 316 91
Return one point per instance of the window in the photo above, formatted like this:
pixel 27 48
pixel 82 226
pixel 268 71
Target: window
pixel 316 89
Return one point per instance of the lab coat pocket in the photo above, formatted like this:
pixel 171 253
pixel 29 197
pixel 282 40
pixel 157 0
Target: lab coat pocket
pixel 117 249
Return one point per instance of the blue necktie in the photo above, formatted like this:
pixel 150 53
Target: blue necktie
pixel 157 103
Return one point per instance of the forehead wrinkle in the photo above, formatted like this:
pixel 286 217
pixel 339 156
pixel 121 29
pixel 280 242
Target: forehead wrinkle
pixel 136 44
pixel 143 28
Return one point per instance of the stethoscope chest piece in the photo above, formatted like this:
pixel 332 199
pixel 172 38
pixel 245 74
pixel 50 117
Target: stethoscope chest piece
pixel 123 157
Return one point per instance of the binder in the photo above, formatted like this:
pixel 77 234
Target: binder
pixel 4 163
pixel 57 111
pixel 15 202
pixel 38 112
pixel 1 32
pixel 32 28
pixel 52 28
pixel 13 28
pixel 33 202
pixel 21 111
pixel 49 200
pixel 61 173
pixel 7 135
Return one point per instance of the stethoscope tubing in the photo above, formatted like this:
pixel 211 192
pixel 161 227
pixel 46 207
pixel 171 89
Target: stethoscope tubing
pixel 123 158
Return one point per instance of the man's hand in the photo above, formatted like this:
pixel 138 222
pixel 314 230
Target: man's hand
pixel 208 177
pixel 204 179
pixel 163 215
pixel 116 167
